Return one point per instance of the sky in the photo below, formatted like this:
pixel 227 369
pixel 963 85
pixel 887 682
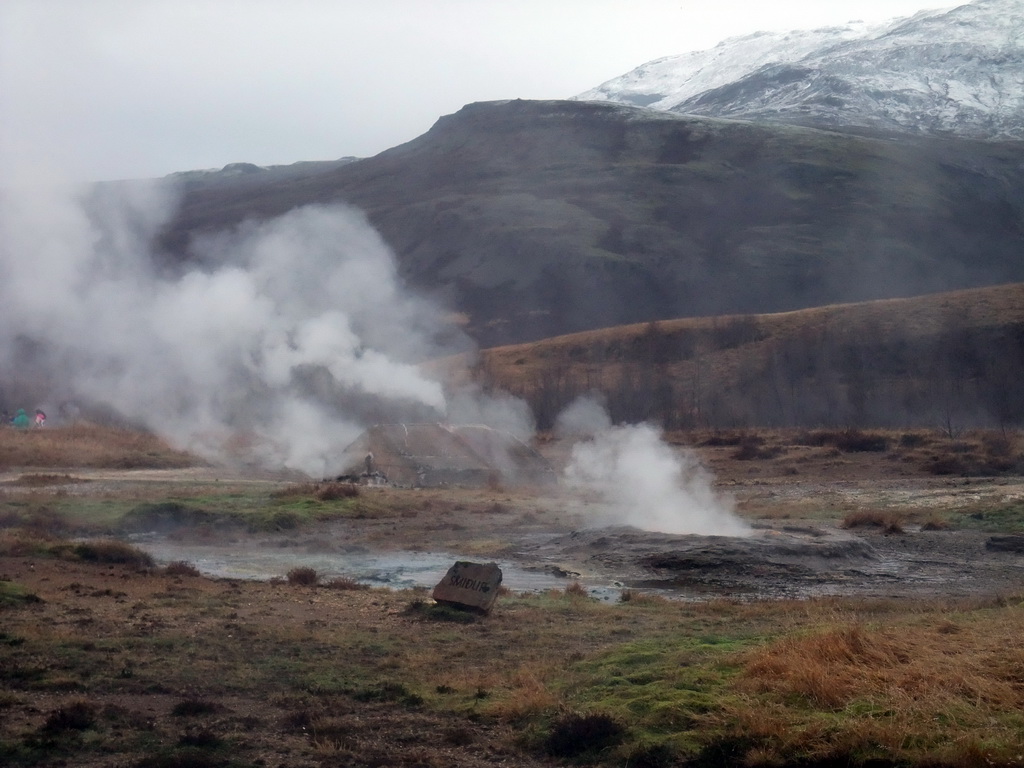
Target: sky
pixel 113 89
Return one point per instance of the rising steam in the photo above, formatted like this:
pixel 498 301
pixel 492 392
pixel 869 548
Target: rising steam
pixel 642 481
pixel 297 336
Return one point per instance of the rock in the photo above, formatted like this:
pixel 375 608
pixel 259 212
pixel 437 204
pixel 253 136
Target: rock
pixel 472 586
pixel 1005 544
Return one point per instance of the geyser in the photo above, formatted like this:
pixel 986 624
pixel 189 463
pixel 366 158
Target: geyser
pixel 643 482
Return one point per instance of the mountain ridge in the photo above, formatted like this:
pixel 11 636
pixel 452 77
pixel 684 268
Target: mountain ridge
pixel 540 218
pixel 957 71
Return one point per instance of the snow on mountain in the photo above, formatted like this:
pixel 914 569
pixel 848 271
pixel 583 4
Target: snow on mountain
pixel 955 71
pixel 666 82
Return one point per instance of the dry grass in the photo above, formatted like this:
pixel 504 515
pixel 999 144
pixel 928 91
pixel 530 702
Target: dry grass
pixel 344 583
pixel 893 685
pixel 890 522
pixel 528 695
pixel 88 445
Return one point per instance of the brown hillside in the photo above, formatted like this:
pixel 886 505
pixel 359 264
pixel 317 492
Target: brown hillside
pixel 927 360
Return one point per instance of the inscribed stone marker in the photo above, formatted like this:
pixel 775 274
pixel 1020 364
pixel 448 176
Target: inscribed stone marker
pixel 470 585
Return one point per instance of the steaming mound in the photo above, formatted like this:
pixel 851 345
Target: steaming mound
pixel 783 562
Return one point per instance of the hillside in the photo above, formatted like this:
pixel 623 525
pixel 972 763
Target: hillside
pixel 542 218
pixel 950 361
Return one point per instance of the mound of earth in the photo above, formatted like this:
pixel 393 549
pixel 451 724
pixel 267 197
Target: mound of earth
pixel 789 561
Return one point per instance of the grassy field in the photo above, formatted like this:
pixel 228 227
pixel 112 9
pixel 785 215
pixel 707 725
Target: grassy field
pixel 229 673
pixel 108 659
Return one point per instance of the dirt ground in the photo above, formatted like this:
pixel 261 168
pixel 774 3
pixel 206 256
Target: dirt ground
pixel 797 548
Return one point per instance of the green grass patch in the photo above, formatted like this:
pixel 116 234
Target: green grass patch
pixel 14 594
pixel 659 685
pixel 255 512
pixel 1002 518
pixel 205 512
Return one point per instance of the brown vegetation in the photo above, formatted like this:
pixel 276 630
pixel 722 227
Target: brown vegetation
pixel 325 491
pixel 872 518
pixel 950 361
pixel 968 670
pixel 84 444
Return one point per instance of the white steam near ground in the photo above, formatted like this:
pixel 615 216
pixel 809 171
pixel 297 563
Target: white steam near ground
pixel 278 355
pixel 641 480
pixel 280 343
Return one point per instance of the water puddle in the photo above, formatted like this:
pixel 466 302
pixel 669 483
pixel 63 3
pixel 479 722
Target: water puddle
pixel 395 570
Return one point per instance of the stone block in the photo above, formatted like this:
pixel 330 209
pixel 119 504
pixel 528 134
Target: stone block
pixel 473 586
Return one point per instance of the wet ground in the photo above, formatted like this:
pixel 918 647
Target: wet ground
pixel 547 538
pixel 544 548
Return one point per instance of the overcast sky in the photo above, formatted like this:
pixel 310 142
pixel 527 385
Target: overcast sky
pixel 103 89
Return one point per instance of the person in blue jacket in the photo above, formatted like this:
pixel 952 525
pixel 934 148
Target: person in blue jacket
pixel 20 419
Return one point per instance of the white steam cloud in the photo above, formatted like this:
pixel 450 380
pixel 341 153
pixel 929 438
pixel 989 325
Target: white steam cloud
pixel 295 334
pixel 643 481
pixel 584 417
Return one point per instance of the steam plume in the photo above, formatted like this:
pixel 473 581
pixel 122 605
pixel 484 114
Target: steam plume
pixel 298 336
pixel 643 482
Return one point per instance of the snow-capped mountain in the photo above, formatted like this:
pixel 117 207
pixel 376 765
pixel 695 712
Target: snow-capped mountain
pixel 955 71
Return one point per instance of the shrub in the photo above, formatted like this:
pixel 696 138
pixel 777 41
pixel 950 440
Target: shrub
pixel 194 708
pixel 574 735
pixel 946 465
pixel 816 439
pixel 576 590
pixel 181 568
pixel 44 521
pixel 165 516
pixel 113 551
pixel 441 612
pixel 76 716
pixel 654 756
pixel 291 491
pixel 998 444
pixel 912 440
pixel 328 491
pixel 345 583
pixel 855 441
pixel 303 576
pixel 642 598
pixel 750 451
pixel 873 518
pixel 719 439
pixel 282 520
pixel 388 691
pixel 202 739
pixel 335 491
